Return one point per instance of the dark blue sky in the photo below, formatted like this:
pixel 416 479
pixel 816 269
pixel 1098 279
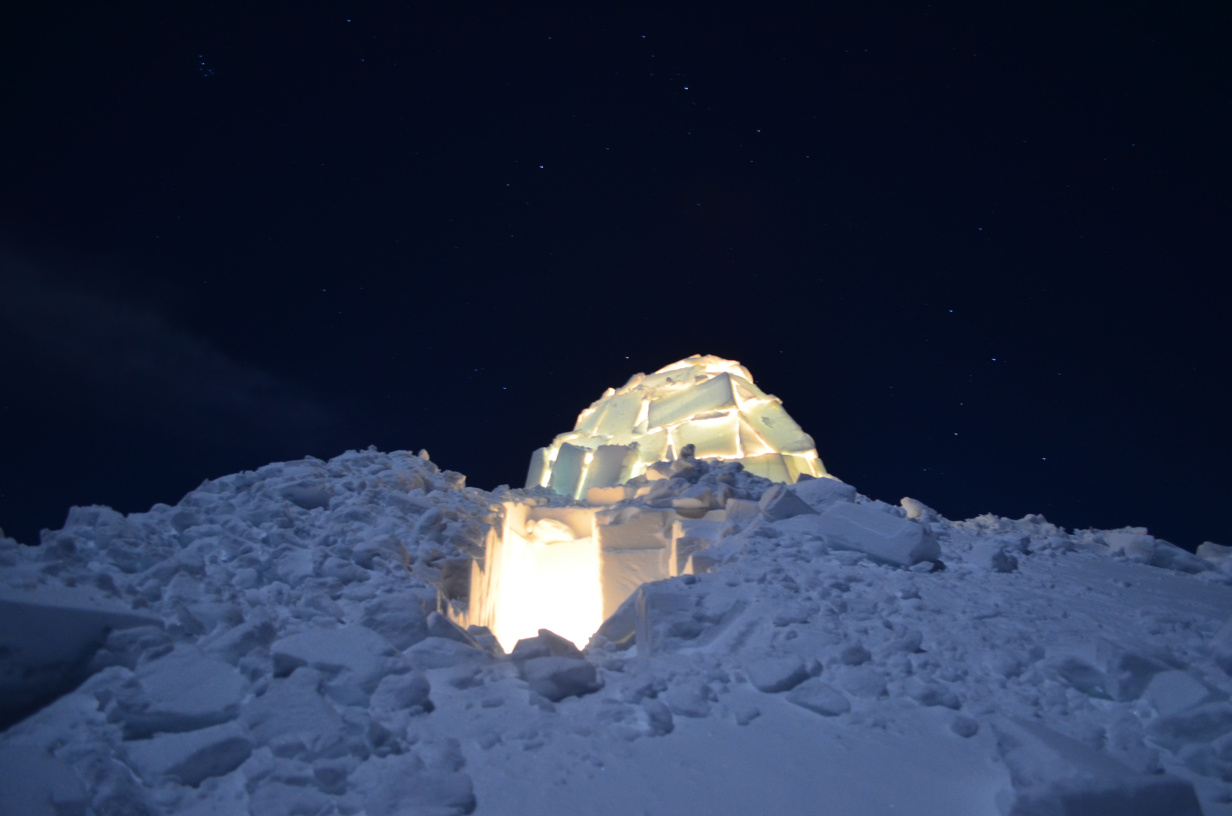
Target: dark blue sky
pixel 979 250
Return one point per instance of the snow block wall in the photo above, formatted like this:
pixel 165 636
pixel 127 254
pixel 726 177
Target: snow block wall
pixel 703 401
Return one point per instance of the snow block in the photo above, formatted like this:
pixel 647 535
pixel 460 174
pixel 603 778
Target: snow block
pixel 402 692
pixel 667 617
pixel 1172 692
pixel 821 493
pixel 819 698
pixel 1127 673
pixel 714 394
pixel 773 424
pixel 689 536
pixel 610 465
pixel 741 511
pixel 775 674
pixel 879 534
pixel 191 757
pixel 47 637
pixel 780 503
pixel 610 495
pixel 402 619
pixel 633 528
pixel 545 644
pixel 293 712
pixel 768 466
pixel 559 677
pixel 916 509
pixel 567 470
pixel 442 653
pixel 538 466
pixel 1053 774
pixel 182 691
pixel 621 572
pixel 353 658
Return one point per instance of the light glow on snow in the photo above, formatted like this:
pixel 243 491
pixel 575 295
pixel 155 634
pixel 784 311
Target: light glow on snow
pixel 547 584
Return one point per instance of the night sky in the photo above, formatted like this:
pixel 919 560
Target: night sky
pixel 980 250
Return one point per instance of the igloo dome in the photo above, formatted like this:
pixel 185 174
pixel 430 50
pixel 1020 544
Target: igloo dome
pixel 703 401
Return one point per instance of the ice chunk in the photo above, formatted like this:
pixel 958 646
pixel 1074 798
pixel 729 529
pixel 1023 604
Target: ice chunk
pixel 819 697
pixel 47 636
pixel 918 510
pixel 442 653
pixel 191 757
pixel 1127 673
pixel 821 493
pixel 559 677
pixel 779 503
pixel 1171 692
pixel 293 711
pixel 690 535
pixel 881 535
pixel 353 658
pixel 402 692
pixel 775 674
pixel 182 691
pixel 402 619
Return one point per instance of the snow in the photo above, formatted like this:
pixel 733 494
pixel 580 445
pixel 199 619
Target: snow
pixel 280 642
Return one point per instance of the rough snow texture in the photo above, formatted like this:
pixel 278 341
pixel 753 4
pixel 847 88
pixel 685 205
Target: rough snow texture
pixel 284 656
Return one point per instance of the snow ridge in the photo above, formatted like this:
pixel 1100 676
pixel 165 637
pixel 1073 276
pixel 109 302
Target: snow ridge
pixel 271 645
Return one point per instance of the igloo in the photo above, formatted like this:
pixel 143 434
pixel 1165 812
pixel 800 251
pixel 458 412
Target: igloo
pixel 569 568
pixel 703 401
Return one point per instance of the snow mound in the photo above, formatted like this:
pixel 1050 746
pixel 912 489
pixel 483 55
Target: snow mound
pixel 274 644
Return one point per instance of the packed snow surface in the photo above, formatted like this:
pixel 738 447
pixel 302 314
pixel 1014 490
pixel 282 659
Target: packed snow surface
pixel 271 645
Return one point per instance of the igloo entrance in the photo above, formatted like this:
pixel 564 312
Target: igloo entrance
pixel 569 568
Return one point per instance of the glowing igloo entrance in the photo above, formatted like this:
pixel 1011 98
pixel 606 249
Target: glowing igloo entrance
pixel 568 569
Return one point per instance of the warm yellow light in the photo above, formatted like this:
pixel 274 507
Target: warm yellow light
pixel 702 400
pixel 552 584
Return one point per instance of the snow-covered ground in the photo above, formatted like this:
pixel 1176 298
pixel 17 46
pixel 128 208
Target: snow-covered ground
pixel 270 646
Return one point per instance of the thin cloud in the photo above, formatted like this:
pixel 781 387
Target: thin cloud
pixel 103 354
